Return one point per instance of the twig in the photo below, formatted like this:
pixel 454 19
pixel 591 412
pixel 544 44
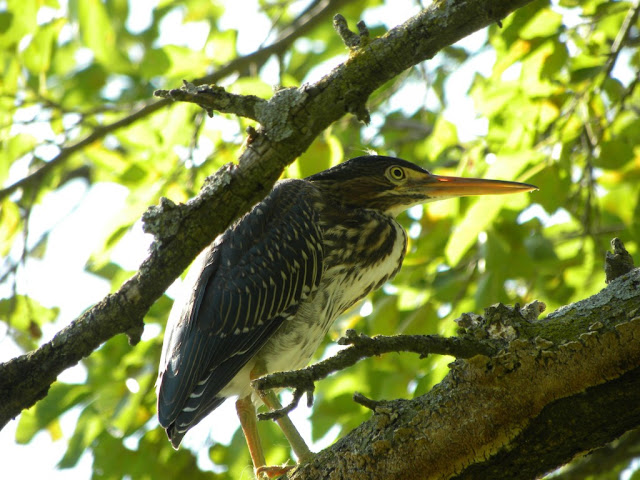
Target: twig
pixel 213 97
pixel 281 412
pixel 363 346
pixel 622 36
pixel 368 402
pixel 617 263
pixel 350 39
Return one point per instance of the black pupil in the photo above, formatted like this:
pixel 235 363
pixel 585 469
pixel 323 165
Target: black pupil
pixel 397 173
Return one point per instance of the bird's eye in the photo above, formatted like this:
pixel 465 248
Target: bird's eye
pixel 395 173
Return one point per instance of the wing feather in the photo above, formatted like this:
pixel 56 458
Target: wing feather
pixel 237 295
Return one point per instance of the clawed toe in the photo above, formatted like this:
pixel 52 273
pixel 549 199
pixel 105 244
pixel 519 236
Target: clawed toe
pixel 272 471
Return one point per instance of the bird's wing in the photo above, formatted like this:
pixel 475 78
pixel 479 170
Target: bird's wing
pixel 250 280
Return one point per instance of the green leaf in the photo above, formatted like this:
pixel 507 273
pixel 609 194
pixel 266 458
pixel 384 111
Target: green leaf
pixel 614 154
pixel 234 458
pixel 99 35
pixel 37 56
pixel 338 410
pixel 174 62
pixel 26 316
pixel 543 24
pixel 252 86
pixel 622 142
pixel 485 209
pixel 384 319
pixel 479 216
pixel 12 149
pixel 134 413
pixel 323 153
pixel 539 66
pixel 491 283
pixel 89 427
pixel 490 98
pixel 540 249
pixel 444 136
pixel 6 18
pixel 10 221
pixel 155 62
pixel 60 398
pixel 223 45
pixel 18 21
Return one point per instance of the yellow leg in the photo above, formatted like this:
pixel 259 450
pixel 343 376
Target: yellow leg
pixel 249 422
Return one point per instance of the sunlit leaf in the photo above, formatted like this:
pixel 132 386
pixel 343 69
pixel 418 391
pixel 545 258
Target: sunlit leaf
pixel 9 226
pixel 37 55
pixel 19 19
pixel 544 111
pixel 26 316
pixel 444 135
pixel 543 24
pixel 99 35
pixel 60 398
pixel 485 209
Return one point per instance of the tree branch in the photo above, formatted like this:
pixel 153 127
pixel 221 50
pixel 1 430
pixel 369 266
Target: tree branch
pixel 564 385
pixel 480 336
pixel 213 97
pixel 292 121
pixel 361 347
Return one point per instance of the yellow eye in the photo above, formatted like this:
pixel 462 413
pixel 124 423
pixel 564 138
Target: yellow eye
pixel 396 173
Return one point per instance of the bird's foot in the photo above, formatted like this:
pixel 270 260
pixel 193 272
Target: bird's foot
pixel 272 471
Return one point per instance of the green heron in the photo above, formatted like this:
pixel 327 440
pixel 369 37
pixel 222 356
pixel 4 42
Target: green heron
pixel 261 298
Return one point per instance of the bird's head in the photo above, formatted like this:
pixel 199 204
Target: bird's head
pixel 392 185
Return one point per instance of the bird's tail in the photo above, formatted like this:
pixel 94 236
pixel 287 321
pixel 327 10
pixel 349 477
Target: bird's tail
pixel 187 419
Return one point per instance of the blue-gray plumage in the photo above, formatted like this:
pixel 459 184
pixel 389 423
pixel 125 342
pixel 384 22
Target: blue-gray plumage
pixel 262 297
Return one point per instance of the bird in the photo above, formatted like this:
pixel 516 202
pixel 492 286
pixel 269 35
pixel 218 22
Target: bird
pixel 263 295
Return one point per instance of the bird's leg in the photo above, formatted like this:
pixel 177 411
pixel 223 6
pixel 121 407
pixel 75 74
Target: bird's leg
pixel 270 399
pixel 249 422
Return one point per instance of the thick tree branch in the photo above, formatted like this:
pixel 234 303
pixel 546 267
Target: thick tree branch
pixel 565 384
pixel 295 117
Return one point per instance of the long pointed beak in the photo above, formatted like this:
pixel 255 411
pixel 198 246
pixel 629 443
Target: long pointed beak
pixel 439 186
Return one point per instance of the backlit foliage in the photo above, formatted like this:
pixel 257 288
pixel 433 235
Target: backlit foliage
pixel 548 98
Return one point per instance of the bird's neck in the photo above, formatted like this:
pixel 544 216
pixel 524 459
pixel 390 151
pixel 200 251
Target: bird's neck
pixel 362 236
pixel 363 249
